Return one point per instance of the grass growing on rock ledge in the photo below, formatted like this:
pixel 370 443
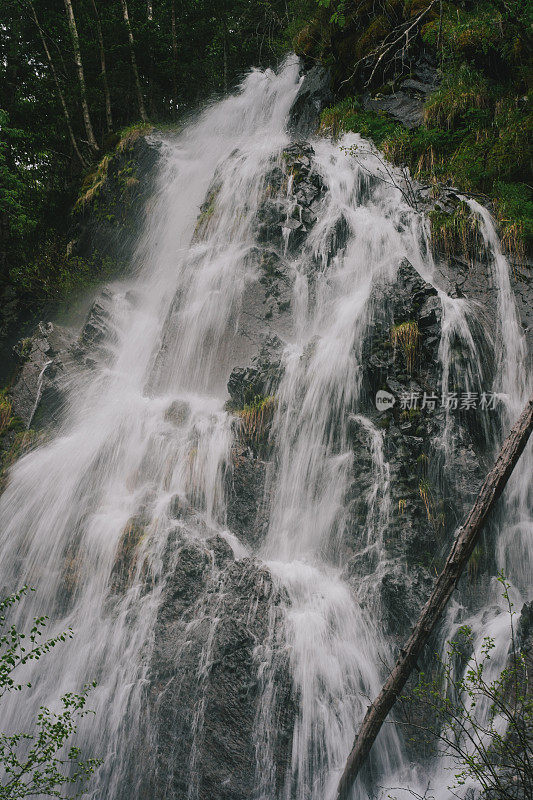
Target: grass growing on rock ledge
pixel 465 156
pixel 406 336
pixel 477 128
pixel 97 177
pixel 256 418
pixel 456 233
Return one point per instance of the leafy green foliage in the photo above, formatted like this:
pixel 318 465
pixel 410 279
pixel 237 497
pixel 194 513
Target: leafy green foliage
pixel 349 115
pixel 13 186
pixel 40 762
pixel 478 125
pixel 483 719
pixel 338 11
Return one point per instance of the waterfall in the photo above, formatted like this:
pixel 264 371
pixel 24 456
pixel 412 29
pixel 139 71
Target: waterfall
pixel 143 456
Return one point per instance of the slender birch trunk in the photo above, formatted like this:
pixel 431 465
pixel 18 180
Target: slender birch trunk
pixel 142 110
pixel 58 89
pixel 103 69
pixel 174 58
pixel 149 21
pixel 81 76
pixel 225 60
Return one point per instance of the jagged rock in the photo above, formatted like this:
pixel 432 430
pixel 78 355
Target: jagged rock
pixel 50 357
pixel 313 96
pixel 285 217
pixel 38 387
pixel 246 511
pixel 409 299
pixel 204 682
pixel 96 327
pixel 406 103
pixel 178 412
pixel 259 379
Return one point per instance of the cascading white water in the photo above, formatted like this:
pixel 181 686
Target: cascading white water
pixel 149 426
pixel 512 386
pixel 337 650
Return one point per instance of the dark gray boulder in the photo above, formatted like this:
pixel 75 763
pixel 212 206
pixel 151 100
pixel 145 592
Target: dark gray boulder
pixel 205 683
pixel 46 360
pixel 313 96
pixel 406 103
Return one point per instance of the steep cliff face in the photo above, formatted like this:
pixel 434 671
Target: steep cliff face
pixel 222 688
pixel 98 245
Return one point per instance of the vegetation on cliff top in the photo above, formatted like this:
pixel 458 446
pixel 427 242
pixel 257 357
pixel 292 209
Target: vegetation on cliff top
pixel 63 97
pixel 477 128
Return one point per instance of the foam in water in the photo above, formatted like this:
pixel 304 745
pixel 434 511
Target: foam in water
pixel 149 425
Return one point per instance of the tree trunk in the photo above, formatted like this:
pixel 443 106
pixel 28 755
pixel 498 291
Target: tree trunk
pixel 81 76
pixel 149 21
pixel 225 60
pixel 174 59
pixel 131 42
pixel 461 551
pixel 58 89
pixel 103 70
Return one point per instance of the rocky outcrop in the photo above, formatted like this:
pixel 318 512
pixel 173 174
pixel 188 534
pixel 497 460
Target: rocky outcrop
pixel 405 101
pixel 112 201
pixel 214 630
pixel 313 96
pixel 102 233
pixel 37 390
pixel 49 360
pixel 288 211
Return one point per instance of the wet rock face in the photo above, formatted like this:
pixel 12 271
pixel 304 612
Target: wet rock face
pixel 260 378
pixel 51 358
pixel 406 102
pixel 400 356
pixel 409 300
pixel 214 620
pixel 314 95
pixel 46 360
pixel 247 507
pixel 289 209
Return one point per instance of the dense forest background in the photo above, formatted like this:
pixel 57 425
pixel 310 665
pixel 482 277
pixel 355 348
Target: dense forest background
pixel 78 76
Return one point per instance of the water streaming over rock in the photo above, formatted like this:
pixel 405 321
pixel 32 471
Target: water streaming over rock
pixel 123 520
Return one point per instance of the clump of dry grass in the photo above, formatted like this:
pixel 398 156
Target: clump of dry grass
pixel 406 336
pixel 256 418
pixel 93 183
pixel 6 412
pixel 456 234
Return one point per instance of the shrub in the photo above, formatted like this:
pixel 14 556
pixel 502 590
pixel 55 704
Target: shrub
pixel 36 763
pixel 484 723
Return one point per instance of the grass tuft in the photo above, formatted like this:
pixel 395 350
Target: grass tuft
pixel 256 418
pixel 406 336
